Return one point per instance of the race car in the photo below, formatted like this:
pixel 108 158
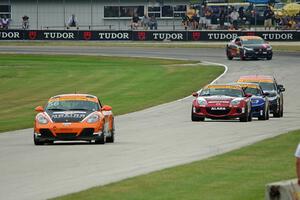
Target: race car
pixel 259 100
pixel 253 47
pixel 74 117
pixel 221 102
pixel 269 85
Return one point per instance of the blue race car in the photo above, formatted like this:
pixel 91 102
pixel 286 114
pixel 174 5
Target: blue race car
pixel 259 100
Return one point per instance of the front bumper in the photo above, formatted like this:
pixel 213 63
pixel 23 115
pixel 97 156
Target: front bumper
pixel 227 113
pixel 274 105
pixel 258 111
pixel 68 131
pixel 258 54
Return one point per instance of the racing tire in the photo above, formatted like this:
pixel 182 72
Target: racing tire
pixel 229 56
pixel 101 140
pixel 111 139
pixel 250 117
pixel 245 117
pixel 37 141
pixel 196 118
pixel 281 111
pixel 269 57
pixel 276 113
pixel 242 57
pixel 265 115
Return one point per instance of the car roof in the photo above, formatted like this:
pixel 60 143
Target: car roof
pixel 256 78
pixel 76 97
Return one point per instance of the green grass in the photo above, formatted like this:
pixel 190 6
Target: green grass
pixel 240 174
pixel 127 84
pixel 277 46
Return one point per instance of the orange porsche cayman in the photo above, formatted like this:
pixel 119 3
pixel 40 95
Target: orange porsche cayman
pixel 73 117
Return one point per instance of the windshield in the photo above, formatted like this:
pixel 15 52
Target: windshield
pixel 258 41
pixel 72 105
pixel 267 86
pixel 253 91
pixel 222 91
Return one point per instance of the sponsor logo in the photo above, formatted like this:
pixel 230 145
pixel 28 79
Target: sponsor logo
pixel 9 35
pixel 59 35
pixel 68 115
pixel 218 108
pixel 196 36
pixel 222 36
pixel 113 36
pixel 278 36
pixel 32 35
pixel 141 35
pixel 87 35
pixel 168 36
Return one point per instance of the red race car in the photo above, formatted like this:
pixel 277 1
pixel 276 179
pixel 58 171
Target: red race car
pixel 222 102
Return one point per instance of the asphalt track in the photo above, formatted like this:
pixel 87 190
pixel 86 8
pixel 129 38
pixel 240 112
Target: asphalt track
pixel 148 140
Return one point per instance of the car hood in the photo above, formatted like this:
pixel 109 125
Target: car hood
pixel 257 46
pixel 67 116
pixel 218 100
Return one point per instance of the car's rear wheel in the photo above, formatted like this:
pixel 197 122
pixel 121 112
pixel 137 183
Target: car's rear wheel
pixel 111 139
pixel 265 115
pixel 242 57
pixel 37 141
pixel 276 113
pixel 229 56
pixel 269 57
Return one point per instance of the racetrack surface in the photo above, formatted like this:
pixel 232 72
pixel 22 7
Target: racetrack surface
pixel 147 140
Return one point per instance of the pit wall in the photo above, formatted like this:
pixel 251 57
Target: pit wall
pixel 145 35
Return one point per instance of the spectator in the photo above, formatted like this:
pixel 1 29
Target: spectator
pixel 222 17
pixel 153 23
pixel 135 22
pixel 268 15
pixel 208 16
pixel 195 21
pixel 185 21
pixel 72 22
pixel 202 20
pixel 297 155
pixel 234 15
pixel 145 22
pixel 25 22
pixel 5 22
pixel 1 27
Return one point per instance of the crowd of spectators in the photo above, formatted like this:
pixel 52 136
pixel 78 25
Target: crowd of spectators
pixel 236 18
pixel 145 22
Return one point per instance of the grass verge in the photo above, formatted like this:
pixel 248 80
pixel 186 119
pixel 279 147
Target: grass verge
pixel 240 174
pixel 277 46
pixel 127 84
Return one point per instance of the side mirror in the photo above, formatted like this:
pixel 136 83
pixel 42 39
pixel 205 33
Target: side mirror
pixel 39 109
pixel 248 95
pixel 106 108
pixel 281 88
pixel 266 94
pixel 195 94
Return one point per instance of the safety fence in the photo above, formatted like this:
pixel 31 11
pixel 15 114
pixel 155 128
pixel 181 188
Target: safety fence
pixel 145 35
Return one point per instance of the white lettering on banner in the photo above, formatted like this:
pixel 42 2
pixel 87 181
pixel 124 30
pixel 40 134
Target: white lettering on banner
pixel 278 36
pixel 10 35
pixel 168 36
pixel 58 35
pixel 113 36
pixel 222 36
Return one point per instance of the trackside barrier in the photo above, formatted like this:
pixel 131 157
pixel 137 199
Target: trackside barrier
pixel 283 190
pixel 145 35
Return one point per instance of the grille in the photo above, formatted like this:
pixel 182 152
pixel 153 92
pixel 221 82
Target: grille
pixel 87 132
pixel 66 135
pixel 46 133
pixel 218 112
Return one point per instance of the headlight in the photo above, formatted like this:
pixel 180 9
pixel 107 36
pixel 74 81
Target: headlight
pixel 202 102
pixel 248 49
pixel 41 119
pixel 269 48
pixel 235 102
pixel 93 118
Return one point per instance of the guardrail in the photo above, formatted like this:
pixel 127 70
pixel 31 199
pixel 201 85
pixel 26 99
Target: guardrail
pixel 145 35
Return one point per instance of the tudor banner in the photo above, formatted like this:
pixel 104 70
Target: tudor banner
pixel 145 35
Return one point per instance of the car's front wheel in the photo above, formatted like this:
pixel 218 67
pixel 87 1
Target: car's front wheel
pixel 101 140
pixel 269 57
pixel 37 141
pixel 196 118
pixel 229 56
pixel 265 115
pixel 111 139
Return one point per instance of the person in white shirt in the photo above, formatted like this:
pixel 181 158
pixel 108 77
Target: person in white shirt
pixel 234 15
pixel 72 22
pixel 297 155
pixel 5 22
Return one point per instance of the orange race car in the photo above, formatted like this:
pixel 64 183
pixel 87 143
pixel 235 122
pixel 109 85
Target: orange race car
pixel 73 117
